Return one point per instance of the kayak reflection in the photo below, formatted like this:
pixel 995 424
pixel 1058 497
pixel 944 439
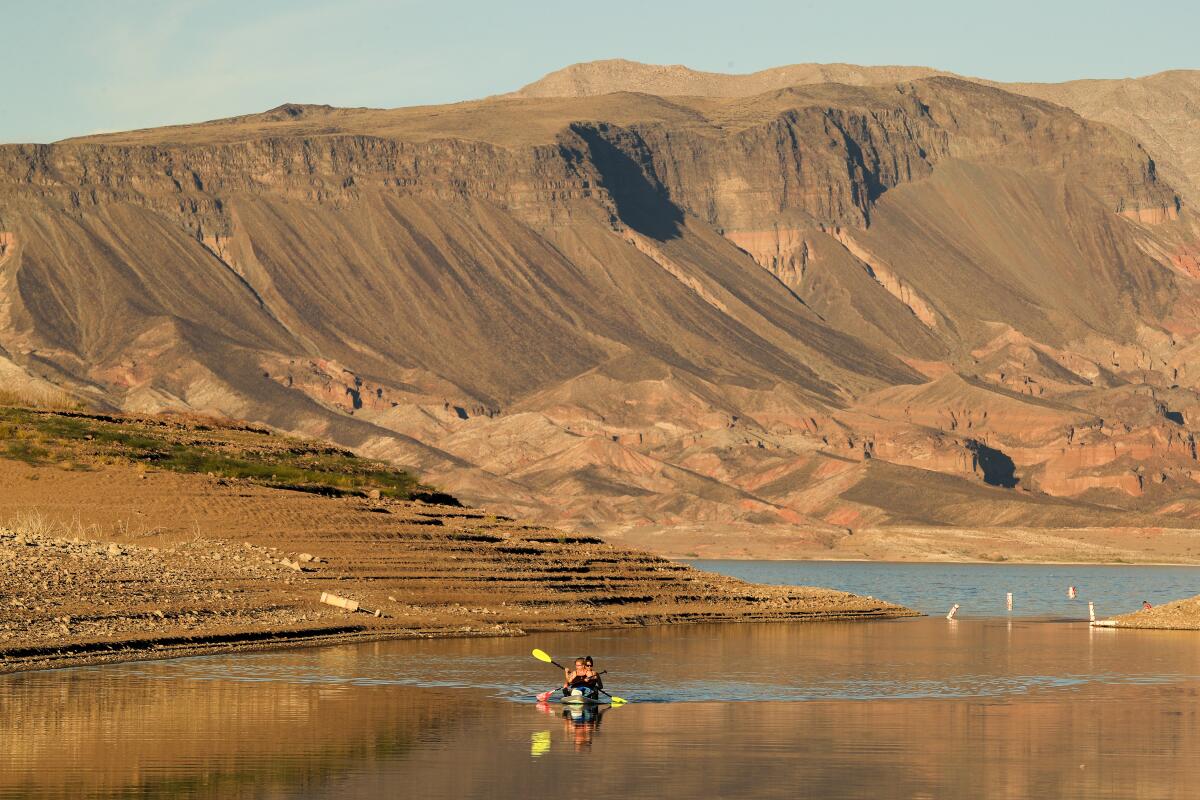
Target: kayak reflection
pixel 580 723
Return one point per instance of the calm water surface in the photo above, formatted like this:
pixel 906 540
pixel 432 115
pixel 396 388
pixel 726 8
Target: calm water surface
pixel 924 708
pixel 1038 589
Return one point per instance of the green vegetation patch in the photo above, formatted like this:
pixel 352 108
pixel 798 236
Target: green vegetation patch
pixel 71 439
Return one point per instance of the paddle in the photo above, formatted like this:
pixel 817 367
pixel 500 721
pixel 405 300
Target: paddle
pixel 542 655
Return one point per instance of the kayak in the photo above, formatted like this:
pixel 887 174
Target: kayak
pixel 578 698
pixel 575 699
pixel 554 696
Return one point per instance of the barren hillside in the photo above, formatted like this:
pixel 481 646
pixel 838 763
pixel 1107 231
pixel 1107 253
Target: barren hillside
pixel 619 75
pixel 1162 110
pixel 773 310
pixel 141 537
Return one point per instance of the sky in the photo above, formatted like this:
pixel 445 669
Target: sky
pixel 70 68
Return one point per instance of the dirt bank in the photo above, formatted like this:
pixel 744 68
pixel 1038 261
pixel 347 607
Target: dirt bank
pixel 127 562
pixel 944 543
pixel 1178 615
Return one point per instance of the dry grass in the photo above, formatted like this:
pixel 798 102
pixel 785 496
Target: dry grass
pixel 50 398
pixel 35 524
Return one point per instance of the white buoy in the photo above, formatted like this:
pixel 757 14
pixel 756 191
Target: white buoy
pixel 1071 592
pixel 1091 611
pixel 953 611
pixel 1008 601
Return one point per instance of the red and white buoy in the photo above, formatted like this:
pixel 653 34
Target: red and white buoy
pixel 1071 592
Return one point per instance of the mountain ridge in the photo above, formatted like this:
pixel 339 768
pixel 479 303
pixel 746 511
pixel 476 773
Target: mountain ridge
pixel 625 311
pixel 1140 106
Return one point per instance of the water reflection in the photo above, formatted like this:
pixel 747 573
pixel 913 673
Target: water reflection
pixel 919 708
pixel 77 734
pixel 580 724
pixel 880 660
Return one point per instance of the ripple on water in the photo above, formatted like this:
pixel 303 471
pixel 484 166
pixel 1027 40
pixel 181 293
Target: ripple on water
pixel 907 708
pixel 922 658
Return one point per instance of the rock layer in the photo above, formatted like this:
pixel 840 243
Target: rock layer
pixel 631 310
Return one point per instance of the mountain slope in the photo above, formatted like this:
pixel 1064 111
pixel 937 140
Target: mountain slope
pixel 625 309
pixel 1162 111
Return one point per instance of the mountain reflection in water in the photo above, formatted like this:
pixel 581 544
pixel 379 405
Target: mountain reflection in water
pixel 972 709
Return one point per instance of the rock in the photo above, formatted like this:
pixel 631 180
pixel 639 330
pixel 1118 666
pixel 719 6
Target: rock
pixel 306 557
pixel 373 494
pixel 340 602
pixel 115 549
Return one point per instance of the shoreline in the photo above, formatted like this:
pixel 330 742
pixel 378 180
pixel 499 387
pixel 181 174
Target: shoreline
pixel 85 654
pixel 920 544
pixel 1178 615
pixel 931 562
pixel 127 564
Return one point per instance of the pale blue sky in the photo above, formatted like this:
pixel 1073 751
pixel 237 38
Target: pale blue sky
pixel 71 68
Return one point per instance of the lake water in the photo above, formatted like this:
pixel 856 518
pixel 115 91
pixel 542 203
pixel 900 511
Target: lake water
pixel 921 708
pixel 1039 590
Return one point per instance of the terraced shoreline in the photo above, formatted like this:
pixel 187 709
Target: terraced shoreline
pixel 111 558
pixel 429 571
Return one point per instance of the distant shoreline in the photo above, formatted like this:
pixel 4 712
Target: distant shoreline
pixel 981 563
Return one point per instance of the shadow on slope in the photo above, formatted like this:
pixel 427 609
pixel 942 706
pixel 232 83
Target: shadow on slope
pixel 626 173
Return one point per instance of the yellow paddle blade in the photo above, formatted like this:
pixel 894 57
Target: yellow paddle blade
pixel 618 701
pixel 542 655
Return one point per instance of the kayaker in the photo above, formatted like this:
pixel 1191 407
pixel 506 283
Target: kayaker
pixel 582 679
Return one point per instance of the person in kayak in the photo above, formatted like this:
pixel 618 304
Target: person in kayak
pixel 582 680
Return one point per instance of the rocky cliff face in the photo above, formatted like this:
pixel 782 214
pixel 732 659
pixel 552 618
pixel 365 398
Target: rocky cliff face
pixel 1161 111
pixel 628 310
